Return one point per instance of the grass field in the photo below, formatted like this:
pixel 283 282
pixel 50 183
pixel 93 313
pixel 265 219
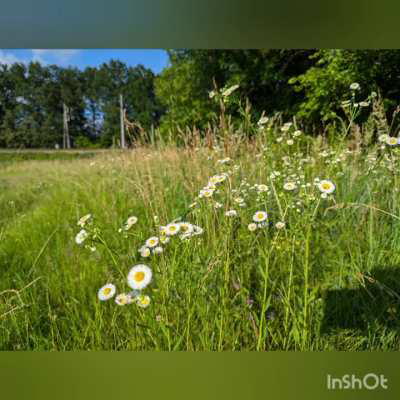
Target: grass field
pixel 320 273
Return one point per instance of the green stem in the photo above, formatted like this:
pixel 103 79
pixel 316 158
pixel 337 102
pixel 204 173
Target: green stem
pixel 102 241
pixel 306 275
pixel 264 305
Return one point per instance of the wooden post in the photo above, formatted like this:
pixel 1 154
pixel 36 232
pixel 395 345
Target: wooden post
pixel 66 117
pixel 121 111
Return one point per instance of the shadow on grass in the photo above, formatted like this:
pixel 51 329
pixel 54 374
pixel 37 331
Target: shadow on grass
pixel 376 301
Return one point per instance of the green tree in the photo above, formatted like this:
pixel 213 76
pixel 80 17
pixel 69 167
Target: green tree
pixel 263 77
pixel 326 84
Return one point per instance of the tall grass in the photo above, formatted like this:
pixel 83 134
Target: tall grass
pixel 327 280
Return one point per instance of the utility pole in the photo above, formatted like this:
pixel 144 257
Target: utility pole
pixel 121 112
pixel 66 118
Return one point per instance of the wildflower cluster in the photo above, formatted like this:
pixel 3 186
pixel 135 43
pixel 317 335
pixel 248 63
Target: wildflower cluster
pixel 139 277
pixel 183 230
pixel 259 219
pixel 129 223
pixel 88 233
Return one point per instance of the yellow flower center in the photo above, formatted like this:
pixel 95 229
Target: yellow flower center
pixel 107 291
pixel 139 276
pixel 144 300
pixel 326 186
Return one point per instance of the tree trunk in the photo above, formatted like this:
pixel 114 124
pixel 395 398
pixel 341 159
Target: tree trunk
pixel 121 110
pixel 66 138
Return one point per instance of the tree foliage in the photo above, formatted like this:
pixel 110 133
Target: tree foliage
pixel 326 84
pixel 263 77
pixel 307 84
pixel 32 98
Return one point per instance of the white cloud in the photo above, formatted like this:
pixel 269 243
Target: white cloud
pixel 8 58
pixel 59 56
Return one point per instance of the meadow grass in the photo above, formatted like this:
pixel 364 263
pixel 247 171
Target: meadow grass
pixel 326 280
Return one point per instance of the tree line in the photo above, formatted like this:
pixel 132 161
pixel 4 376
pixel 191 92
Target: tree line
pixel 310 85
pixel 33 99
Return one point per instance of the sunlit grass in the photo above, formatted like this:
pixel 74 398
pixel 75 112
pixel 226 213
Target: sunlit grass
pixel 229 288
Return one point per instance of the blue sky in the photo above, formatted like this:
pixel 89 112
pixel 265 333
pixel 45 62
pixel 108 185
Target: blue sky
pixel 150 58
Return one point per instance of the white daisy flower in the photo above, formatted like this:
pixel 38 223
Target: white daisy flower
pixel 139 276
pixel 164 239
pixel 130 222
pixel 106 292
pixel 82 221
pixel 144 251
pixel 355 86
pixel 152 242
pixel 290 142
pixel 289 186
pixel 143 300
pixel 122 299
pixel 206 192
pixel 81 236
pixel 280 225
pixel 252 227
pixel 231 213
pixel 262 188
pixel 326 186
pixel 260 216
pixel 392 141
pixel 172 229
pixel 158 250
pixel 186 227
